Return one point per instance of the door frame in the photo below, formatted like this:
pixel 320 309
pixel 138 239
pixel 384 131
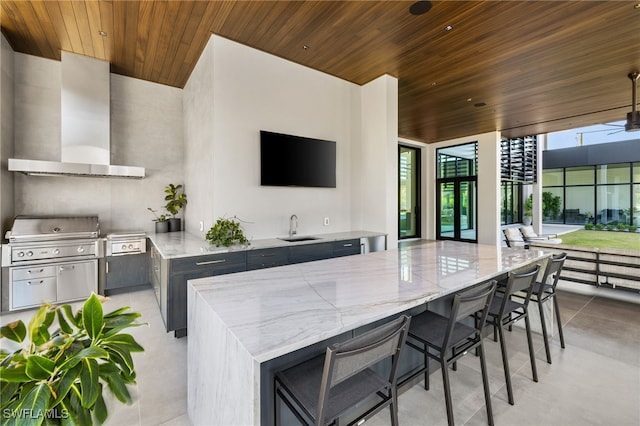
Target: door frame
pixel 457 232
pixel 418 174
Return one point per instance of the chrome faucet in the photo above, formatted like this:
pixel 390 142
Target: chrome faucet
pixel 293 225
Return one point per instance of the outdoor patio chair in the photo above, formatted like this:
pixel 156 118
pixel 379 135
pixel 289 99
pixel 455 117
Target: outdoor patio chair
pixel 513 238
pixel 530 235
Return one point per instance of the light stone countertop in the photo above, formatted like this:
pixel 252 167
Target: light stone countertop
pixel 240 324
pixel 173 245
pixel 272 312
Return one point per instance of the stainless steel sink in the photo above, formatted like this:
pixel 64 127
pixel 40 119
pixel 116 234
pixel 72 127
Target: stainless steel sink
pixel 296 239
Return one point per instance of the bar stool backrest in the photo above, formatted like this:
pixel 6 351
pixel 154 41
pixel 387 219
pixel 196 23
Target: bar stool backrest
pixel 346 359
pixel 519 281
pixel 554 266
pixel 467 303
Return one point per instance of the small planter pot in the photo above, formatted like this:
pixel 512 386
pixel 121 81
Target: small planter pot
pixel 162 227
pixel 175 224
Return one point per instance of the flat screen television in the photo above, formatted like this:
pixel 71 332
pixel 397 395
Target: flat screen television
pixel 287 160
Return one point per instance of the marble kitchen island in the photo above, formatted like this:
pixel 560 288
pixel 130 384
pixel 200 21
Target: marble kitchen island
pixel 240 325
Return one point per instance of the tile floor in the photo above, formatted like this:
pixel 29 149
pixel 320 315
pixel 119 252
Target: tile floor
pixel 594 381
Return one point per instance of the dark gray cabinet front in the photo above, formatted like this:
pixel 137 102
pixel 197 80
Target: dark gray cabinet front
pixel 169 276
pixel 310 252
pixel 346 247
pixel 267 258
pixel 183 270
pixel 127 271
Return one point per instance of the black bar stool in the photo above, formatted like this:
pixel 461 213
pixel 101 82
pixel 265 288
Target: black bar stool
pixel 504 312
pixel 320 390
pixel 450 339
pixel 543 292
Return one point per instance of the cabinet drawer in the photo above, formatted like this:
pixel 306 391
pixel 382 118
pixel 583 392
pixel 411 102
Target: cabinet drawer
pixel 32 292
pixel 217 263
pixel 267 258
pixel 346 247
pixel 33 272
pixel 310 252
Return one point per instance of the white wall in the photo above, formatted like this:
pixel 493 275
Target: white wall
pixel 146 131
pixel 249 91
pixel 488 186
pixel 198 106
pixel 375 197
pixel 6 134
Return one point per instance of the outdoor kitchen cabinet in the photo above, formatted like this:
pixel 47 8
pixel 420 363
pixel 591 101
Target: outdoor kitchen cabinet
pixel 346 247
pixel 173 289
pixel 126 271
pixel 310 252
pixel 267 258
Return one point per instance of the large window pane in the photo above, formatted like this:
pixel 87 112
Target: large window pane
pixel 636 204
pixel 613 204
pixel 552 205
pixel 636 172
pixel 409 192
pixel 579 204
pixel 510 202
pixel 552 177
pixel 457 161
pixel 613 173
pixel 580 175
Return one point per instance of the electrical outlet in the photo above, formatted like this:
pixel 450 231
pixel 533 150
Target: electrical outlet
pixel 326 221
pixel 201 226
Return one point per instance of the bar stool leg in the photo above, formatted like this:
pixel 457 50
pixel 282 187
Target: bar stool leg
pixel 544 332
pixel 557 307
pixel 447 392
pixel 485 383
pixel 532 357
pixel 426 368
pixel 394 406
pixel 505 364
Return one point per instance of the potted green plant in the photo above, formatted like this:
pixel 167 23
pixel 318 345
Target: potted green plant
pixel 588 217
pixel 176 200
pixel 161 220
pixel 226 232
pixel 59 377
pixel 528 211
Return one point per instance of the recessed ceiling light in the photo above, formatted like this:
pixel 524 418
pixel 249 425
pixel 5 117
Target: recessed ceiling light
pixel 636 6
pixel 420 7
pixel 433 83
pixel 448 28
pixel 305 47
pixel 102 33
pixel 468 99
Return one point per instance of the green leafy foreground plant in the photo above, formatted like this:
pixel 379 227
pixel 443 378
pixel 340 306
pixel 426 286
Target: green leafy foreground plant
pixel 225 232
pixel 59 377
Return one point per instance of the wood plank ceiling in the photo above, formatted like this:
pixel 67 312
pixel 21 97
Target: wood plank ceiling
pixel 522 67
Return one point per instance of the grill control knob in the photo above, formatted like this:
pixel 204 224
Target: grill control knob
pixel 29 253
pixel 124 247
pixel 80 249
pixel 56 251
pixel 20 254
pixel 130 246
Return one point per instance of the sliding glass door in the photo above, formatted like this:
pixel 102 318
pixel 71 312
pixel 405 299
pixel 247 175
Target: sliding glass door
pixel 456 193
pixel 408 192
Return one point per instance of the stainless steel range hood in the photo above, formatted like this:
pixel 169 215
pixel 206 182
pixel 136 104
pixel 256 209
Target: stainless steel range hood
pixel 85 147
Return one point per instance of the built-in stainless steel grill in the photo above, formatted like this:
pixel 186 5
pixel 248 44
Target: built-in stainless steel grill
pixel 50 259
pixel 122 243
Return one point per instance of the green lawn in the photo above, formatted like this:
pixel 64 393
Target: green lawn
pixel 602 239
